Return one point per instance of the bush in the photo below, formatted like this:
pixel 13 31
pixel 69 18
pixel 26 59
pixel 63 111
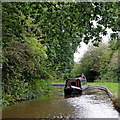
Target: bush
pixel 20 90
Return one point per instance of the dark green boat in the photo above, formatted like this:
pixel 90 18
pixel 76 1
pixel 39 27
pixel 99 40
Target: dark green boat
pixel 74 86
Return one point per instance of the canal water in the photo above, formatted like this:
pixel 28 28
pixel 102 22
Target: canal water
pixel 56 106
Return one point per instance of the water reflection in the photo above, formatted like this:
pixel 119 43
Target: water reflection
pixel 93 106
pixel 56 106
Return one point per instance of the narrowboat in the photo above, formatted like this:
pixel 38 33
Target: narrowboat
pixel 74 86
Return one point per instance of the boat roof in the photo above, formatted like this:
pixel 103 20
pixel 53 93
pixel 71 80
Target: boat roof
pixel 73 80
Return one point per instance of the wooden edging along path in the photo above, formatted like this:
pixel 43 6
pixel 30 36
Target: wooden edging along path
pixel 100 88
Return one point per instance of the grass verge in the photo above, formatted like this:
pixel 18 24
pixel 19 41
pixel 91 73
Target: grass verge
pixel 113 87
pixel 58 82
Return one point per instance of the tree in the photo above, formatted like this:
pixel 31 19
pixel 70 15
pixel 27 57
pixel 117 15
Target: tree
pixel 42 38
pixel 94 61
pixel 63 25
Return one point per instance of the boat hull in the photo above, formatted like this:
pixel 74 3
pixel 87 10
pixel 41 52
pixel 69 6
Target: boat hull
pixel 72 91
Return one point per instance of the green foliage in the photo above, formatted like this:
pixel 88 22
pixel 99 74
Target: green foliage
pixel 99 64
pixel 111 72
pixel 64 25
pixel 113 87
pixel 75 71
pixel 20 90
pixel 94 61
pixel 24 57
pixel 39 41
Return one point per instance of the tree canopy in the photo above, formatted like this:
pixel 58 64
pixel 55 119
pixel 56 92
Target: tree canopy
pixel 61 26
pixel 40 39
pixel 99 63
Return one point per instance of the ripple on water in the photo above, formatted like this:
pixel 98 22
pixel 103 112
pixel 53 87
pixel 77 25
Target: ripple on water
pixel 93 106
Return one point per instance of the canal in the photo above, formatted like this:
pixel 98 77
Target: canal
pixel 56 106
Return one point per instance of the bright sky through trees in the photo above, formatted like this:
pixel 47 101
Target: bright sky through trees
pixel 83 47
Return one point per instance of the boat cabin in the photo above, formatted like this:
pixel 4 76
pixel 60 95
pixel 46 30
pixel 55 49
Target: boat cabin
pixel 78 82
pixel 73 82
pixel 74 86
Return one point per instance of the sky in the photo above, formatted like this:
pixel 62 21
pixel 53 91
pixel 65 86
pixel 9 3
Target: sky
pixel 83 47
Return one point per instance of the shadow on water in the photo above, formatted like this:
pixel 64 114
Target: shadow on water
pixel 85 106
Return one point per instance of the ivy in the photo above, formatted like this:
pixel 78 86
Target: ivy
pixel 40 39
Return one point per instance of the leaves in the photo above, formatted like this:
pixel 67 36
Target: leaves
pixel 40 38
pixel 94 61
